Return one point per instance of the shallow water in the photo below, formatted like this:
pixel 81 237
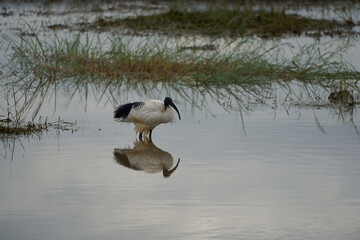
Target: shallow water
pixel 262 167
pixel 273 174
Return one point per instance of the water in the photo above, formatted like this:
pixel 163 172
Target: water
pixel 246 171
pixel 272 175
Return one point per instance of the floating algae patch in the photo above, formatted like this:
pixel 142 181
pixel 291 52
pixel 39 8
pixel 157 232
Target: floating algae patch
pixel 236 21
pixel 21 130
pixel 18 129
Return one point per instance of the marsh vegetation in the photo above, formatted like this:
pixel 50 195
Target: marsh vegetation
pixel 220 20
pixel 159 60
pixel 38 64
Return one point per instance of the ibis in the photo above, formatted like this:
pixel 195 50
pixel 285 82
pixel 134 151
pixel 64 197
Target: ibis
pixel 147 115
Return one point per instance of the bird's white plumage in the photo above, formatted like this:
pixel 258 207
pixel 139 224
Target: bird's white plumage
pixel 147 115
pixel 152 113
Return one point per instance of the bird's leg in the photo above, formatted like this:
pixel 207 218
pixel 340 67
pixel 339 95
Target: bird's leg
pixel 150 134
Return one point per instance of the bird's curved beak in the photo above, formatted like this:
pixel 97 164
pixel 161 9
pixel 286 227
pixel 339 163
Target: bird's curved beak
pixel 167 173
pixel 173 105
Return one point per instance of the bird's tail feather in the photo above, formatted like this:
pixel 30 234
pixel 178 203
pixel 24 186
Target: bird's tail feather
pixel 122 112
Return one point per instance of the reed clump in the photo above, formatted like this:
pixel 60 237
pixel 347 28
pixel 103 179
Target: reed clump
pixel 162 61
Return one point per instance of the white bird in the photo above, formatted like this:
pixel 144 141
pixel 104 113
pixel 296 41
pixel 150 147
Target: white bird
pixel 145 156
pixel 147 115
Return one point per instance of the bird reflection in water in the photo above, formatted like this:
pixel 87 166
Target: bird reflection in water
pixel 145 156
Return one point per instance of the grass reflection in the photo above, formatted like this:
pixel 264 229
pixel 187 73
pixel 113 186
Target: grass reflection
pixel 235 99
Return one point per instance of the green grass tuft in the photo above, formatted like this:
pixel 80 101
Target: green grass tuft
pixel 45 61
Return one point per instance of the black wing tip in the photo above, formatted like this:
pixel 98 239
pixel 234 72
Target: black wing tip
pixel 124 110
pixel 117 113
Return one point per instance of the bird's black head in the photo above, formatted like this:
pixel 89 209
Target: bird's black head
pixel 169 102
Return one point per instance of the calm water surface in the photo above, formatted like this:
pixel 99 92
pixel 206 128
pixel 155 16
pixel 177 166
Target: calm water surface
pixel 275 175
pixel 289 172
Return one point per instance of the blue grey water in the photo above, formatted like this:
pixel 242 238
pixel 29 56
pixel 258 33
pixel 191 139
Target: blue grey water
pixel 249 169
pixel 284 173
